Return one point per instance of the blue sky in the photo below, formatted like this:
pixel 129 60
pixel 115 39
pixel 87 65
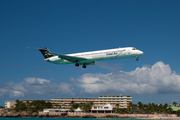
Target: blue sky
pixel 71 26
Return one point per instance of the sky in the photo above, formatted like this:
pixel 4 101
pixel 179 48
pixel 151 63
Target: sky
pixel 72 26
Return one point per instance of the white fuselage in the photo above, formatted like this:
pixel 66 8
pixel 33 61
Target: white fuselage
pixel 92 56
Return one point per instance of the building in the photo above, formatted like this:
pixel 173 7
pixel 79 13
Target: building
pixel 48 110
pixel 10 104
pixel 102 109
pixel 113 100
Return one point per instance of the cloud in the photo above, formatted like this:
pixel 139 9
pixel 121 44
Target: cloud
pixel 158 79
pixel 43 70
pixel 113 67
pixel 36 80
pixel 147 80
pixel 17 65
pixel 35 86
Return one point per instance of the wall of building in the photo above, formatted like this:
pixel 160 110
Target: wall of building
pixel 10 104
pixel 122 100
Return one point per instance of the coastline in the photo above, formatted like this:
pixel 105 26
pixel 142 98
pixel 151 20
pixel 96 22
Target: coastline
pixel 29 114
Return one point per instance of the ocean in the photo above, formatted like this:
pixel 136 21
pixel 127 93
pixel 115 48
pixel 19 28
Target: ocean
pixel 2 118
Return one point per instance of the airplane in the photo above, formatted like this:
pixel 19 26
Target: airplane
pixel 89 58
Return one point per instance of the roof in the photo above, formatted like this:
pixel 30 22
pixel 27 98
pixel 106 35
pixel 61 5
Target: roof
pixel 63 110
pixel 174 108
pixel 78 109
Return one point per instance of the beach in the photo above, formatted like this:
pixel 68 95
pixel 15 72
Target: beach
pixel 28 114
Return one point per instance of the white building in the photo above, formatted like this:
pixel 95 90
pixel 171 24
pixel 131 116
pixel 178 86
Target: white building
pixel 49 110
pixel 10 104
pixel 102 109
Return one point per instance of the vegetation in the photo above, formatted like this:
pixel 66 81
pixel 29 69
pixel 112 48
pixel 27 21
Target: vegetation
pixel 86 107
pixel 2 107
pixel 141 108
pixel 35 106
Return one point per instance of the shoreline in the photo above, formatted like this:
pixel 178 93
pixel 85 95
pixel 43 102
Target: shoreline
pixel 29 114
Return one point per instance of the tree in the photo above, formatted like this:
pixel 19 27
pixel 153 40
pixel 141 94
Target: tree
pixel 169 110
pixel 2 107
pixel 88 106
pixel 178 112
pixel 175 103
pixel 130 104
pixel 34 106
pixel 116 109
pixel 117 106
pixel 82 105
pixel 140 105
pixel 20 106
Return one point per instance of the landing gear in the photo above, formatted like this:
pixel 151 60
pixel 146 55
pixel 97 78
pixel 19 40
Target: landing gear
pixel 137 58
pixel 77 64
pixel 84 66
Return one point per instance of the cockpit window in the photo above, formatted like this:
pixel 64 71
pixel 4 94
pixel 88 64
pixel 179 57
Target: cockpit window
pixel 134 49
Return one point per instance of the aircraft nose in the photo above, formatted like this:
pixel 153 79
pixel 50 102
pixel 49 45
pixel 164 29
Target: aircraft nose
pixel 141 52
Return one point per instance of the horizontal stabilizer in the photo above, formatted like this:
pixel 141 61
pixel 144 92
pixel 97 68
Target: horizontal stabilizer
pixel 37 48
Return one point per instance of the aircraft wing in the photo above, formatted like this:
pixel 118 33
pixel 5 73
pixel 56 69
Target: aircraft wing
pixel 69 58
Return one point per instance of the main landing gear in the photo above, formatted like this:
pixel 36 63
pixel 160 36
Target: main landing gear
pixel 77 65
pixel 137 58
pixel 84 66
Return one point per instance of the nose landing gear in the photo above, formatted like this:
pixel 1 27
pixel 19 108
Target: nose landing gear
pixel 137 58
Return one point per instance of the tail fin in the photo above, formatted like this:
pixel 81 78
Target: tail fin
pixel 45 52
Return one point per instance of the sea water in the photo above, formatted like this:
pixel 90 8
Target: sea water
pixel 11 118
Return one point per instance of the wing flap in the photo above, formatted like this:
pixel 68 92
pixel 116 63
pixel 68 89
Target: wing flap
pixel 69 58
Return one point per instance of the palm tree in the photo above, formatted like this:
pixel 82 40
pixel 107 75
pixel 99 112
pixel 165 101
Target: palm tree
pixel 117 106
pixel 175 103
pixel 140 105
pixel 91 103
pixel 116 109
pixel 71 104
pixel 82 105
pixel 170 110
pixel 130 104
